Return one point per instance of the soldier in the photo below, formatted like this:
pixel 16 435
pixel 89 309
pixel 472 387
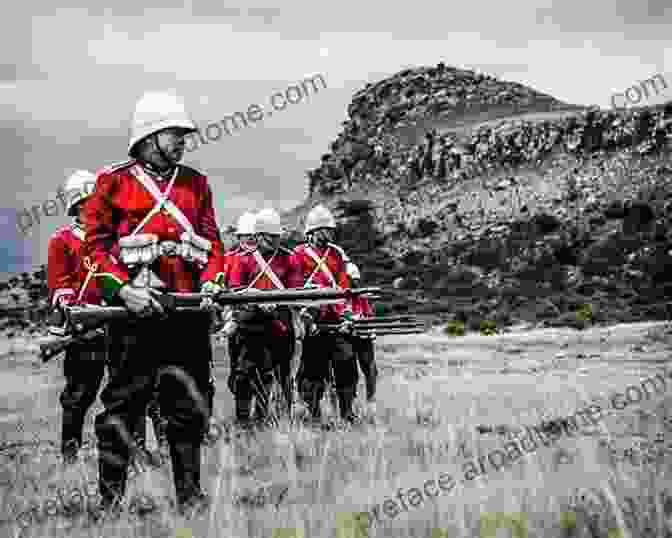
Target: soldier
pixel 244 235
pixel 324 264
pixel 363 346
pixel 245 244
pixel 179 250
pixel 84 364
pixel 263 341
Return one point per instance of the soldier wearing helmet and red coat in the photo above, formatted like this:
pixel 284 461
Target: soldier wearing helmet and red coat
pixel 151 227
pixel 262 344
pixel 324 264
pixel 363 346
pixel 84 364
pixel 69 282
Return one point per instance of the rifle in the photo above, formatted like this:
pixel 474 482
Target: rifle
pixel 53 345
pixel 191 302
pixel 80 320
pixel 380 326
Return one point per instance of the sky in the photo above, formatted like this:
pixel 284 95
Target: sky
pixel 70 77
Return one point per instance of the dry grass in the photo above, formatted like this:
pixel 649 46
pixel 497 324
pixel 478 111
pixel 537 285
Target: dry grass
pixel 434 391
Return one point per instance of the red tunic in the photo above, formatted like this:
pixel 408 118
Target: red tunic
pixel 228 261
pixel 245 271
pixel 335 259
pixel 120 202
pixel 66 271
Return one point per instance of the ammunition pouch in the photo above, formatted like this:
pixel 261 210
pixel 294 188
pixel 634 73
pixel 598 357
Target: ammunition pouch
pixel 145 249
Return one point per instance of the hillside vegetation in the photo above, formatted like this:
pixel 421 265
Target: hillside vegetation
pixel 484 200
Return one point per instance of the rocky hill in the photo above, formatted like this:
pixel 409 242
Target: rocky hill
pixel 486 202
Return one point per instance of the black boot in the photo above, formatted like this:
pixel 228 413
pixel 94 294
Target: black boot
pixel 311 393
pixel 346 397
pixel 243 397
pixel 186 456
pixel 71 434
pixel 111 483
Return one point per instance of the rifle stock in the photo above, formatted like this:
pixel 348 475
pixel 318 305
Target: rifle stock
pixel 55 345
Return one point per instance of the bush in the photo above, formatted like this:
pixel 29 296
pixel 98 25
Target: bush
pixel 454 328
pixel 426 227
pixel 545 224
pixel 488 327
pixel 584 312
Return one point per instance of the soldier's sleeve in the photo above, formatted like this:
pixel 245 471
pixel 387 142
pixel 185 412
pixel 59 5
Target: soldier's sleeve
pixel 101 236
pixel 215 270
pixel 61 278
pixel 295 271
pixel 344 281
pixel 234 272
pixel 367 309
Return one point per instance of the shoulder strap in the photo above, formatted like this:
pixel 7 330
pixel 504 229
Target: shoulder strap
pixel 265 269
pixel 163 201
pixel 320 265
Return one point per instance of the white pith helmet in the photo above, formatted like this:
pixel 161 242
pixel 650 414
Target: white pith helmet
pixel 245 225
pixel 268 222
pixel 319 217
pixel 79 186
pixel 156 111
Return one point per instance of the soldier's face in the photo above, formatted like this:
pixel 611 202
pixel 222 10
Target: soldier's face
pixel 247 241
pixel 171 143
pixel 268 241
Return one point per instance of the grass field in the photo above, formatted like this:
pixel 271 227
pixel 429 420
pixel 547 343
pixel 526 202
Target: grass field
pixel 434 392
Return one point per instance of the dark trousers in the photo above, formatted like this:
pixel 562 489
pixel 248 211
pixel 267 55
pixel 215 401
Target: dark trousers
pixel 257 360
pixel 364 350
pixel 83 368
pixel 320 353
pixel 158 422
pixel 283 351
pixel 177 352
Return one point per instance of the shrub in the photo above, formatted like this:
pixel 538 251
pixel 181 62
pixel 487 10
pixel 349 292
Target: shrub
pixel 454 328
pixel 584 312
pixel 488 327
pixel 426 227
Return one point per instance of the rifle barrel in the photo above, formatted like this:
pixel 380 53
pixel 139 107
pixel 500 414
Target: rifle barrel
pixel 254 296
pixel 371 326
pixel 394 331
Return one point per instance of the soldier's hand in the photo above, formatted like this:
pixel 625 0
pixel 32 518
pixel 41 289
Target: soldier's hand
pixel 210 289
pixel 346 327
pixel 308 322
pixel 140 301
pixel 230 325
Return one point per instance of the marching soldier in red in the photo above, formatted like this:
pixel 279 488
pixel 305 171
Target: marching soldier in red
pixel 244 238
pixel 363 346
pixel 84 364
pixel 151 227
pixel 325 264
pixel 264 337
pixel 244 245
